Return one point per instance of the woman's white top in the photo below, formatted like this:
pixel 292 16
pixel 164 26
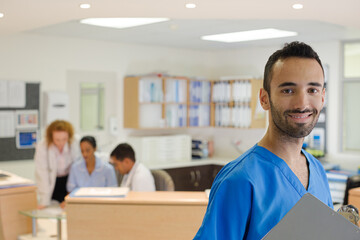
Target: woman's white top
pixel 49 164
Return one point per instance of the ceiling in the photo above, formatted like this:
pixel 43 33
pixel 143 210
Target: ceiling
pixel 318 21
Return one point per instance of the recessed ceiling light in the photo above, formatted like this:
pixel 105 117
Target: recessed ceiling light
pixel 85 5
pixel 249 35
pixel 297 6
pixel 190 5
pixel 1 15
pixel 121 22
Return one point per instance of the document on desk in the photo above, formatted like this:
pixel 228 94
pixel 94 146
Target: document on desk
pixel 101 192
pixel 311 219
pixel 9 180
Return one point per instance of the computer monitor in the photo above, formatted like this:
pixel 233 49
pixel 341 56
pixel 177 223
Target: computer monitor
pixel 26 138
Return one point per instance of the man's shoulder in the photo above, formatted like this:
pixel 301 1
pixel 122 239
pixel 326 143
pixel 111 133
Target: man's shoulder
pixel 250 157
pixel 245 165
pixel 141 169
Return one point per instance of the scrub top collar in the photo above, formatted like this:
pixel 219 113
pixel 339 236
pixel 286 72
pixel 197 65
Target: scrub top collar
pixel 285 169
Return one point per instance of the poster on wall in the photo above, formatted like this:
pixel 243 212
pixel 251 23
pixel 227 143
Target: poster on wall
pixel 27 119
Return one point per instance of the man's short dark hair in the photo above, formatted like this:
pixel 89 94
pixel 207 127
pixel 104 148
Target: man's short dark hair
pixel 122 151
pixel 293 49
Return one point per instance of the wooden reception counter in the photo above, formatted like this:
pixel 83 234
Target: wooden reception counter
pixel 13 200
pixel 139 215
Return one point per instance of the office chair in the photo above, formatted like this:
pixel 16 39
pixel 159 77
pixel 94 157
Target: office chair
pixel 163 181
pixel 352 182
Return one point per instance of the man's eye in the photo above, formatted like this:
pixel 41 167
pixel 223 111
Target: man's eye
pixel 287 91
pixel 313 90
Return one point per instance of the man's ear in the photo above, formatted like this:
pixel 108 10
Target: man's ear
pixel 323 97
pixel 264 99
pixel 127 161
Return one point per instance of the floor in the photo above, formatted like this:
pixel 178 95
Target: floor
pixel 46 230
pixel 47 227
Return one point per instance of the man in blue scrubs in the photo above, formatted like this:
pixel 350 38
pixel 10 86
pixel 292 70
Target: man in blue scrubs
pixel 251 194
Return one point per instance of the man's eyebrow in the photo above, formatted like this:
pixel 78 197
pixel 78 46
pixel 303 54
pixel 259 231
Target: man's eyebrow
pixel 315 84
pixel 291 84
pixel 287 84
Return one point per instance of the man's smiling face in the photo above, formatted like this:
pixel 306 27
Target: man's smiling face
pixel 297 95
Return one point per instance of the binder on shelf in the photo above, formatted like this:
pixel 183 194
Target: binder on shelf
pixel 176 90
pixel 311 219
pixel 150 89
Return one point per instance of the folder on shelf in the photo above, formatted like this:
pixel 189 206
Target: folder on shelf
pixel 312 219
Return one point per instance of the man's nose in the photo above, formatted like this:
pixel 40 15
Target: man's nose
pixel 301 101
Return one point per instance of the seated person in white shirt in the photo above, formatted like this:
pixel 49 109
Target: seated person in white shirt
pixel 136 176
pixel 90 171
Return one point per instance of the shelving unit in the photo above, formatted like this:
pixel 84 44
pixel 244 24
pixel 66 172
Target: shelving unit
pixel 155 102
pixel 178 102
pixel 235 103
pixel 199 103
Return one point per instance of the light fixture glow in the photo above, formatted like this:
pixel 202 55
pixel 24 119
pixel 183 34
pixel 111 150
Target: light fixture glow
pixel 121 22
pixel 190 5
pixel 266 33
pixel 297 6
pixel 1 15
pixel 85 6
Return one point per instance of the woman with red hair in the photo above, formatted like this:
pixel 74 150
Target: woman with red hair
pixel 53 158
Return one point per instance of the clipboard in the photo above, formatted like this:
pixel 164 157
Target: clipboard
pixel 311 219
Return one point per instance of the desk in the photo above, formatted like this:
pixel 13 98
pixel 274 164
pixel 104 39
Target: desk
pixel 140 215
pixel 13 200
pixel 354 197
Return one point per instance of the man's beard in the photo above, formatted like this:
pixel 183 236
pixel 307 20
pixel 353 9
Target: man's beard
pixel 300 130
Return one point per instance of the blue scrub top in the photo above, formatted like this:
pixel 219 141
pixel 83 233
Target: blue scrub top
pixel 102 176
pixel 251 194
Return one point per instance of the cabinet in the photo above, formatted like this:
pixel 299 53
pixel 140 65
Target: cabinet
pixel 200 103
pixel 159 215
pixel 236 104
pixel 155 102
pixel 197 178
pixel 178 102
pixel 13 200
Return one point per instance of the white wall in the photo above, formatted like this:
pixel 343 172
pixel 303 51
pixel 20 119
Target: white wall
pixel 49 59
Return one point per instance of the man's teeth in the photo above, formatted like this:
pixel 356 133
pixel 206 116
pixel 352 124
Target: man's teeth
pixel 299 116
